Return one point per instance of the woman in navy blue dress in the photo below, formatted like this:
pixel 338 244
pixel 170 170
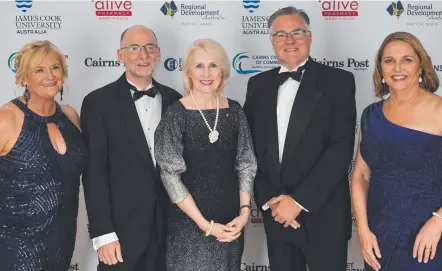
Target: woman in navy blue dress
pixel 397 178
pixel 41 158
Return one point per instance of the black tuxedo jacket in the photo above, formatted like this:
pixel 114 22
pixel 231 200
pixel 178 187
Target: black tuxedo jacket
pixel 122 187
pixel 317 152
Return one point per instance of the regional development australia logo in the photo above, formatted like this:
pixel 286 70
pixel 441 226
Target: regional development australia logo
pixel 169 9
pixel 23 5
pixel 251 5
pixel 396 9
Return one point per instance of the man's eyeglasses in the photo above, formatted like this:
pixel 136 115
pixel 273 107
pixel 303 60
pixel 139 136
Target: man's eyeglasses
pixel 136 49
pixel 296 34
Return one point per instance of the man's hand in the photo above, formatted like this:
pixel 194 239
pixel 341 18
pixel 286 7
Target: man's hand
pixel 284 209
pixel 111 253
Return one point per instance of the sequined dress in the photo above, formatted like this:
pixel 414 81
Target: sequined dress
pixel 405 187
pixel 39 195
pixel 213 174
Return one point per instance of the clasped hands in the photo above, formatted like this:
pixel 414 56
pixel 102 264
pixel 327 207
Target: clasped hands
pixel 285 211
pixel 232 230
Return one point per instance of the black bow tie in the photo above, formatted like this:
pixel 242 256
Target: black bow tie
pixel 295 75
pixel 151 92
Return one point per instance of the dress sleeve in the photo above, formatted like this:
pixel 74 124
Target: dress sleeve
pixel 169 153
pixel 246 165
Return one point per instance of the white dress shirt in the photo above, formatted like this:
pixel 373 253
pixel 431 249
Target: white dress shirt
pixel 149 112
pixel 286 96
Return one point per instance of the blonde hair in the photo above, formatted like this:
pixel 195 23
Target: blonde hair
pixel 214 49
pixel 430 81
pixel 31 56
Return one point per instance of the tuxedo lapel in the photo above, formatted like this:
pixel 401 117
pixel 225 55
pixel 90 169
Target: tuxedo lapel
pixel 272 123
pixel 307 97
pixel 132 121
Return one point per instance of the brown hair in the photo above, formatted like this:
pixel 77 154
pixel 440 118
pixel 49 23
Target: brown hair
pixel 214 49
pixel 430 81
pixel 31 56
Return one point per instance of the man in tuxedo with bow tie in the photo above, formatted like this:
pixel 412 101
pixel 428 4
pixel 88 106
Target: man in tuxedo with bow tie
pixel 125 200
pixel 302 116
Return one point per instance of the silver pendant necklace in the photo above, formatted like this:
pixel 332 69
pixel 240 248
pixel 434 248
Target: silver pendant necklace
pixel 213 135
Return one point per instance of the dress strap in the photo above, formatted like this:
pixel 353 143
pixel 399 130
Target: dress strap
pixel 44 119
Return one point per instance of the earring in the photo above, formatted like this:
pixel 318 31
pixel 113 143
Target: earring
pixel 61 94
pixel 383 81
pixel 420 79
pixel 26 95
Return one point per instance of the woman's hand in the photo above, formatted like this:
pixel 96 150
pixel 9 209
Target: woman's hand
pixel 235 227
pixel 224 233
pixel 426 241
pixel 370 248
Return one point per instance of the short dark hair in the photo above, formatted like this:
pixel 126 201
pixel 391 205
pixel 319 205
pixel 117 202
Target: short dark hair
pixel 290 10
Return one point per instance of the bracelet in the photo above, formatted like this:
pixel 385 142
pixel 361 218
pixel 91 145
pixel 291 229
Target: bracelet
pixel 244 206
pixel 437 215
pixel 209 229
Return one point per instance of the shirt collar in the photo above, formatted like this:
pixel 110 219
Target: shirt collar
pixel 148 86
pixel 284 69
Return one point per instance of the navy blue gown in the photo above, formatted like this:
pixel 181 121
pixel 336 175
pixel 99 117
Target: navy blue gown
pixel 405 187
pixel 39 195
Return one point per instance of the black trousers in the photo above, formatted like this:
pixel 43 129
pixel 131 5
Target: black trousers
pixel 152 259
pixel 292 257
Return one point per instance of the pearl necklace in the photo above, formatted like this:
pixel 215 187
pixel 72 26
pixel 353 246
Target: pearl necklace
pixel 213 135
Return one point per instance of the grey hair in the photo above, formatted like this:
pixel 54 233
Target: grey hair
pixel 290 10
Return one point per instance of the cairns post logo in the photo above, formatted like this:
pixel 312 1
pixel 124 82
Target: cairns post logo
pixel 11 62
pixel 245 63
pixel 169 9
pixel 339 10
pixel 172 64
pixel 396 9
pixel 251 5
pixel 112 10
pixel 349 63
pixel 23 5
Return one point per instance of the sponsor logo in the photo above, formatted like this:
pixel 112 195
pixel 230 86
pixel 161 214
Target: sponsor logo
pixel 438 68
pixel 246 63
pixel 349 63
pixel 74 266
pixel 11 62
pixel 396 9
pixel 256 216
pixel 94 63
pixel 192 14
pixel 353 267
pixel 172 64
pixel 169 9
pixel 254 267
pixel 23 5
pixel 251 5
pixel 35 24
pixel 112 10
pixel 339 10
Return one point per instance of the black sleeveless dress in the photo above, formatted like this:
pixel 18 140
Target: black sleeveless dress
pixel 39 195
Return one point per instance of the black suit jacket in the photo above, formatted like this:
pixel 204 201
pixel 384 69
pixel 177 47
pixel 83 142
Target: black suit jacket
pixel 122 187
pixel 317 151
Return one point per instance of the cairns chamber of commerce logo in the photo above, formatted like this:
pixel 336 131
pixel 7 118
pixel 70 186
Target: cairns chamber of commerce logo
pixel 34 24
pixel 23 5
pixel 251 5
pixel 112 10
pixel 169 9
pixel 253 24
pixel 254 267
pixel 396 9
pixel 349 63
pixel 172 64
pixel 11 62
pixel 339 10
pixel 246 63
pixel 99 62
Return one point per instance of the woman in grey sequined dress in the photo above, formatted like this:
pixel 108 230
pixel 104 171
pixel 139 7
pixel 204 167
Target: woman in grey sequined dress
pixel 204 149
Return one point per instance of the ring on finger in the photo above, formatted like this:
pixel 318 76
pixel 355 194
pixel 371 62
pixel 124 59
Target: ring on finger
pixel 428 249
